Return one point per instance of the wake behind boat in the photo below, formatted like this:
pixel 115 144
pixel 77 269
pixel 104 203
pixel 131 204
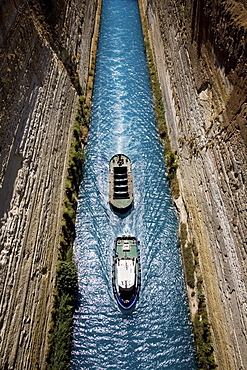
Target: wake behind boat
pixel 120 183
pixel 126 277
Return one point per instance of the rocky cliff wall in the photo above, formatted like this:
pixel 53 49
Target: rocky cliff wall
pixel 200 52
pixel 44 54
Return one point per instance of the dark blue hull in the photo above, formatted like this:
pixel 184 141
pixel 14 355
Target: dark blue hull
pixel 126 278
pixel 130 304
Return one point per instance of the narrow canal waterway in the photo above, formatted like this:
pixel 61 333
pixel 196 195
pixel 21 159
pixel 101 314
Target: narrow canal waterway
pixel 157 335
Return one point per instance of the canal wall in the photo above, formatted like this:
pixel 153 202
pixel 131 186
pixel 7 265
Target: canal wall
pixel 44 57
pixel 200 54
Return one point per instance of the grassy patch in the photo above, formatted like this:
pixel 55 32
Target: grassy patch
pixel 189 265
pixel 202 335
pixel 183 234
pixel 172 165
pixel 60 333
pixel 201 325
pixel 188 256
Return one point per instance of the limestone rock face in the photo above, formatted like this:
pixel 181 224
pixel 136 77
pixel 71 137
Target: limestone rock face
pixel 44 52
pixel 200 50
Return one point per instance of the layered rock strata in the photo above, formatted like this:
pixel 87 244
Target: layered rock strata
pixel 44 58
pixel 200 52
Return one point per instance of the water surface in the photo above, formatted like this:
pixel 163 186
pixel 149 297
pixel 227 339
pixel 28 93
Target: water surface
pixel 158 333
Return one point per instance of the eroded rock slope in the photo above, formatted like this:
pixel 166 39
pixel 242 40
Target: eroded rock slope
pixel 200 51
pixel 43 44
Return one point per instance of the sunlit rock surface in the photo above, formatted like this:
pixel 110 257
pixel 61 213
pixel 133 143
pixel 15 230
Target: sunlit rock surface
pixel 42 44
pixel 200 50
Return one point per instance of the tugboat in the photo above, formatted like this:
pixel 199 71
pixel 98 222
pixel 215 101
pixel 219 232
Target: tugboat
pixel 120 184
pixel 126 277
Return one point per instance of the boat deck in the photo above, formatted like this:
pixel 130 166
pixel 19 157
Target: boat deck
pixel 126 271
pixel 120 183
pixel 126 248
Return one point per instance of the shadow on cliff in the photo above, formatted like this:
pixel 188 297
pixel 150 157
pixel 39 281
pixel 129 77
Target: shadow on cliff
pixel 6 192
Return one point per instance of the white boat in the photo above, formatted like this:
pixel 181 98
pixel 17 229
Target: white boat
pixel 126 271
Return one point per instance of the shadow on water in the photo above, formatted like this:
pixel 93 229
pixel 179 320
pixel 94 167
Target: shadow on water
pixel 124 214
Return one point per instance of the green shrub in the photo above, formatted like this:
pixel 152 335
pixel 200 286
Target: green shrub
pixel 202 335
pixel 59 350
pixel 3 81
pixel 82 99
pixel 59 357
pixel 77 130
pixel 183 234
pixel 67 277
pixel 174 185
pixel 172 164
pixel 189 265
pixel 201 326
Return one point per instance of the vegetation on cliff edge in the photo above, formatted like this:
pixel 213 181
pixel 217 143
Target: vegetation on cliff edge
pixel 60 336
pixel 201 326
pixel 60 333
pixel 200 322
pixel 171 158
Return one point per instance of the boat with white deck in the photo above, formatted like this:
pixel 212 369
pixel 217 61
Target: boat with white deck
pixel 126 277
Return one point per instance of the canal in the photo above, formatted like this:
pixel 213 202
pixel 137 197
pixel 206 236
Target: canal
pixel 157 334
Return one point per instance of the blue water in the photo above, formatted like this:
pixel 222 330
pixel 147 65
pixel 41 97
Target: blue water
pixel 157 334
